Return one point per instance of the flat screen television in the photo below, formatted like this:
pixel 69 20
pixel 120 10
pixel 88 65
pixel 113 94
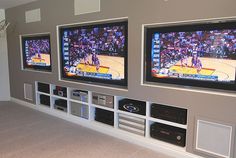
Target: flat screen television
pixel 36 52
pixel 95 53
pixel 202 55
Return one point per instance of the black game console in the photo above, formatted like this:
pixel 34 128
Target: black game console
pixel 133 106
pixel 170 134
pixel 104 116
pixel 43 87
pixel 61 104
pixel 44 100
pixel 169 113
pixel 60 91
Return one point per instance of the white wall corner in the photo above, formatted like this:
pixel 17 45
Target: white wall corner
pixel 4 69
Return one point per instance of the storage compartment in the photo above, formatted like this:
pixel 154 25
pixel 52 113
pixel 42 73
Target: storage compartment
pixel 132 124
pixel 104 116
pixel 60 104
pixel 60 91
pixel 44 100
pixel 170 134
pixel 43 87
pixel 79 110
pixel 133 106
pixel 169 113
pixel 79 95
pixel 103 100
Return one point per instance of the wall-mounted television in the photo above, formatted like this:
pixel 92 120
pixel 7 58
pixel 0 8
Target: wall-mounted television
pixel 95 53
pixel 200 54
pixel 36 52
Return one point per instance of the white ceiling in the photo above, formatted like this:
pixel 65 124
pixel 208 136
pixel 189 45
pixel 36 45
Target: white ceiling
pixel 4 4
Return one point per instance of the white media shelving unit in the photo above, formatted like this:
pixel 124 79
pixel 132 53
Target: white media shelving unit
pixel 87 108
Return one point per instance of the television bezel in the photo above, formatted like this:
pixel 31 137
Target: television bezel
pixel 25 66
pixel 91 80
pixel 177 27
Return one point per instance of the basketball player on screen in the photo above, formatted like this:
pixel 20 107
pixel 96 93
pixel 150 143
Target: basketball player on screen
pixel 95 61
pixel 196 62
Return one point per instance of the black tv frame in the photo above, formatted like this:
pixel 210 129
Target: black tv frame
pixel 35 67
pixel 149 31
pixel 91 80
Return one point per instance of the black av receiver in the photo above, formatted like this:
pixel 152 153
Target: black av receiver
pixel 43 87
pixel 133 106
pixel 170 134
pixel 104 116
pixel 169 113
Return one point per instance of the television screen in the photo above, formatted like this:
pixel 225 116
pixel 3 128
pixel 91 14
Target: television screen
pixel 195 55
pixel 96 53
pixel 36 52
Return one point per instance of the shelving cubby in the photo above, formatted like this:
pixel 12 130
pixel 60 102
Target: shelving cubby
pixel 84 107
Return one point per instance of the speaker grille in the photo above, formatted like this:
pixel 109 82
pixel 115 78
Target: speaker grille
pixel 214 138
pixel 28 92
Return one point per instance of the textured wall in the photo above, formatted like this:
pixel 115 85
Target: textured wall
pixel 219 106
pixel 4 70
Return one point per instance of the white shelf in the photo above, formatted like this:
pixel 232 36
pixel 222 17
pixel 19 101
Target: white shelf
pixel 167 122
pixel 166 144
pixel 91 122
pixel 102 124
pixel 44 106
pixel 59 97
pixel 131 114
pixel 47 94
pixel 77 101
pixel 102 107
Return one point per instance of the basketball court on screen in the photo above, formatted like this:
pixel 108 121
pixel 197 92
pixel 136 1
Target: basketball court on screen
pixel 223 68
pixel 108 65
pixel 45 58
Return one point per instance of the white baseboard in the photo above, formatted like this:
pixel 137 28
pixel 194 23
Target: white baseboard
pixel 152 144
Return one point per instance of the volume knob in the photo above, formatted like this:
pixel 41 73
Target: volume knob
pixel 179 137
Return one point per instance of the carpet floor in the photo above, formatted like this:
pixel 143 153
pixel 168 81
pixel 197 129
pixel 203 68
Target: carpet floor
pixel 26 133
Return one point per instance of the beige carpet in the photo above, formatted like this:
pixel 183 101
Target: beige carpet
pixel 25 133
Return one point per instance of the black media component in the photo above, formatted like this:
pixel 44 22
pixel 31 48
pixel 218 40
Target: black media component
pixel 170 134
pixel 43 87
pixel 61 104
pixel 133 106
pixel 44 100
pixel 104 116
pixel 60 91
pixel 178 54
pixel 36 52
pixel 169 113
pixel 94 37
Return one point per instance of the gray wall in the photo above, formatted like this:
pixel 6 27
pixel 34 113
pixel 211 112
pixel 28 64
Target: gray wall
pixel 4 70
pixel 217 106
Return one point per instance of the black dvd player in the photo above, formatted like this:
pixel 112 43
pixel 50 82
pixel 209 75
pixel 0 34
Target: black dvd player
pixel 133 106
pixel 170 134
pixel 104 116
pixel 169 113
